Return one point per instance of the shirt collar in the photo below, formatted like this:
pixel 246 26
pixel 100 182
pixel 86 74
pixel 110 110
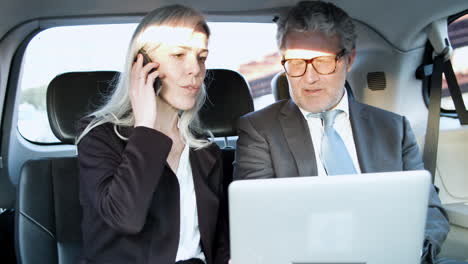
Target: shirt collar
pixel 343 105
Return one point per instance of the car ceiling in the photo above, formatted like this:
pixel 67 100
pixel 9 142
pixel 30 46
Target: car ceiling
pixel 401 22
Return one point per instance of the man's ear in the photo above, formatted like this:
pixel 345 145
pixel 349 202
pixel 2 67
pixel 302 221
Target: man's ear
pixel 350 60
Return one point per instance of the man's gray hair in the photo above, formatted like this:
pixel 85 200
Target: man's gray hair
pixel 317 16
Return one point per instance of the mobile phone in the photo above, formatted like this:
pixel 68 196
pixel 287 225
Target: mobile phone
pixel 146 60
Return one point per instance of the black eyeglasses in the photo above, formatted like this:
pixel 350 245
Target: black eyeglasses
pixel 323 65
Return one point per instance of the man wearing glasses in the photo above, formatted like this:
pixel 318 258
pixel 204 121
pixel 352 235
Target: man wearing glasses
pixel 320 130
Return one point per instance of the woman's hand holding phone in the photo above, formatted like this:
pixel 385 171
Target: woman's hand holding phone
pixel 142 92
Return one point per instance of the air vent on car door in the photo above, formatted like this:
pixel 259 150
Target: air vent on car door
pixel 376 81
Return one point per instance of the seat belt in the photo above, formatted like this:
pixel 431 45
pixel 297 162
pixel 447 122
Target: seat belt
pixel 432 130
pixel 437 36
pixel 440 66
pixel 455 93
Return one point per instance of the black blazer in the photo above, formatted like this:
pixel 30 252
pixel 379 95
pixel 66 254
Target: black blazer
pixel 130 198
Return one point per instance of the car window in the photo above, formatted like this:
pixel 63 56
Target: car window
pixel 458 35
pixel 249 48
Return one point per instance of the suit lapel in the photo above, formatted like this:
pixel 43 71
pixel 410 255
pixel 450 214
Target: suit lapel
pixel 202 162
pixel 296 132
pixel 363 139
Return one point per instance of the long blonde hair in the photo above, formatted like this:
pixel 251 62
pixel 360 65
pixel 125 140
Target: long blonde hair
pixel 118 110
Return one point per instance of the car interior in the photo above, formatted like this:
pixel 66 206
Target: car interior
pixel 396 68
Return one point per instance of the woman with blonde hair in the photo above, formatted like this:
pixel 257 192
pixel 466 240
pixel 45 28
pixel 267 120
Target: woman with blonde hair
pixel 150 188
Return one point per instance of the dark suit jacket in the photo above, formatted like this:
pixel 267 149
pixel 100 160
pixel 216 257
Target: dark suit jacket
pixel 276 142
pixel 130 198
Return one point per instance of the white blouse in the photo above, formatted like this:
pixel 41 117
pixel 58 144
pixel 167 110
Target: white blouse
pixel 189 241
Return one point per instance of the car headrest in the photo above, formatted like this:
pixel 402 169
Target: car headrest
pixel 70 96
pixel 280 87
pixel 228 99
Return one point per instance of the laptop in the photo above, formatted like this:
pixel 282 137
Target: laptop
pixel 374 218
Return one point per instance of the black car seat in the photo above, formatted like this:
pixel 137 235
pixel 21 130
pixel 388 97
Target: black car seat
pixel 48 215
pixel 228 99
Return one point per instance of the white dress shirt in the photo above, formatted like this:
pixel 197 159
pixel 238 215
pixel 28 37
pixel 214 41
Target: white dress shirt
pixel 342 126
pixel 189 240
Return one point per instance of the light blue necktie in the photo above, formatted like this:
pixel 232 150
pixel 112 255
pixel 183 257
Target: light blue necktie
pixel 335 157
